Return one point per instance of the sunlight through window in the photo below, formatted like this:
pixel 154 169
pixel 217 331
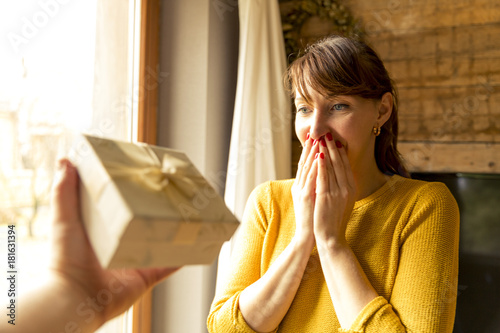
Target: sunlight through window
pixel 56 80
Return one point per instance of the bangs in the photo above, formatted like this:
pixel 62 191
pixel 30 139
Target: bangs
pixel 301 80
pixel 332 69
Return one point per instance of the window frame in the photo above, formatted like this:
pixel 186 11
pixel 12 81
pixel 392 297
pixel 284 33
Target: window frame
pixel 149 58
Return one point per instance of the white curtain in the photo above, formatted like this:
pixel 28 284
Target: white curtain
pixel 260 139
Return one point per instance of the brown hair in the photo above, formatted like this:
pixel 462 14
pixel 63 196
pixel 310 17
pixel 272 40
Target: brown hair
pixel 342 66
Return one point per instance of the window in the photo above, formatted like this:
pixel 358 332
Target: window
pixel 67 67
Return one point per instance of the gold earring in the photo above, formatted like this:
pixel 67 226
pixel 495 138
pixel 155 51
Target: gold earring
pixel 376 130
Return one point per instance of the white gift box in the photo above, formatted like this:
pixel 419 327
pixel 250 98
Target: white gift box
pixel 148 206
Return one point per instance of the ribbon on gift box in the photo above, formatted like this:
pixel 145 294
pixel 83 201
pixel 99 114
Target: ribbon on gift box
pixel 158 177
pixel 174 177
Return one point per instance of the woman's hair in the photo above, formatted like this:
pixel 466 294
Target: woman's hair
pixel 341 66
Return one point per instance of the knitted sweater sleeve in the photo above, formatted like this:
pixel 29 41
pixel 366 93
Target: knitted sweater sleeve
pixel 424 294
pixel 245 267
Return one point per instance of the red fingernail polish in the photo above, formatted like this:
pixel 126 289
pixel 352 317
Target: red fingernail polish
pixel 322 156
pixel 323 142
pixel 315 142
pixel 329 136
pixel 338 144
pixel 307 136
pixel 316 156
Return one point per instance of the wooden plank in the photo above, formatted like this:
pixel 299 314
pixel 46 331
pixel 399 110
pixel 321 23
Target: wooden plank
pixel 394 5
pixel 450 114
pixel 445 71
pixel 452 157
pixel 397 16
pixel 476 40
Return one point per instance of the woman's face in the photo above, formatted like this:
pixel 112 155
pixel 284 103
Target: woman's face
pixel 350 120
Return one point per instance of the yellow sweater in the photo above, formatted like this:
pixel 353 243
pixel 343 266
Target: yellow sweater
pixel 405 236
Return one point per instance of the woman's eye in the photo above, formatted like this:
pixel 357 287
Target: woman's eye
pixel 302 109
pixel 340 107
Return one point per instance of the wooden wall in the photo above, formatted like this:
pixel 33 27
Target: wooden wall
pixel 445 58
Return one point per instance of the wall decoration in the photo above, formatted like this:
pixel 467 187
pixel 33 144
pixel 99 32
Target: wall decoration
pixel 304 21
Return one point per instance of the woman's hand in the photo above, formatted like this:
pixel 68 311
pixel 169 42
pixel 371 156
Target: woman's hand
pixel 266 301
pixel 347 283
pixel 335 193
pixel 303 191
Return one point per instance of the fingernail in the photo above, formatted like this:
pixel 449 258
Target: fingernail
pixel 329 136
pixel 316 156
pixel 307 136
pixel 338 144
pixel 323 142
pixel 315 142
pixel 322 156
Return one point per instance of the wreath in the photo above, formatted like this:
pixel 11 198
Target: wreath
pixel 295 13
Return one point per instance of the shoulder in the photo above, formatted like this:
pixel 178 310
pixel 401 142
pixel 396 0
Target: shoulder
pixel 272 197
pixel 431 202
pixel 413 190
pixel 427 193
pixel 268 201
pixel 403 193
pixel 413 198
pixel 273 189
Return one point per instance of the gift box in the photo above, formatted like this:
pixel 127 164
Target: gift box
pixel 148 206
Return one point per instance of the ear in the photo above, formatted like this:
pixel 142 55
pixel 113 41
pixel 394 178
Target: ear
pixel 385 108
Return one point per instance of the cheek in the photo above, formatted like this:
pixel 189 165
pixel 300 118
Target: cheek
pixel 358 147
pixel 301 131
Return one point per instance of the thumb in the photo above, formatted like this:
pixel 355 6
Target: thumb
pixel 64 200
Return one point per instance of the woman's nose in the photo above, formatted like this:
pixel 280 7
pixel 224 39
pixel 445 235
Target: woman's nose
pixel 318 126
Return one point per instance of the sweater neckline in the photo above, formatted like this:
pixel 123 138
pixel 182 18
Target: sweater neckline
pixel 388 184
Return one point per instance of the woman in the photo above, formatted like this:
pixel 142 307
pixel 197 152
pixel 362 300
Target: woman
pixel 351 244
